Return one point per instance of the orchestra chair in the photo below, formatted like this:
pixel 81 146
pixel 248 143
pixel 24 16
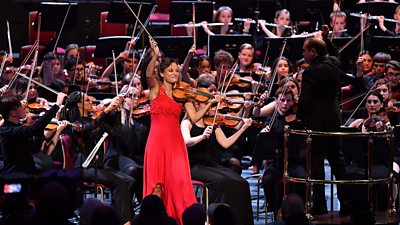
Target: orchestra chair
pixel 45 36
pixel 25 50
pixel 162 12
pixel 111 29
pixel 347 93
pixel 87 54
pixel 259 178
pixel 69 161
pixel 202 190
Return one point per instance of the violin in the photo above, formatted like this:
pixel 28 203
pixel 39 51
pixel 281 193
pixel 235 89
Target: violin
pixel 229 120
pixel 37 108
pixel 377 122
pixel 183 91
pixel 143 110
pixel 242 82
pixel 144 98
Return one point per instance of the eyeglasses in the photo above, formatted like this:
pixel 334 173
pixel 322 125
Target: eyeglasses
pixel 390 74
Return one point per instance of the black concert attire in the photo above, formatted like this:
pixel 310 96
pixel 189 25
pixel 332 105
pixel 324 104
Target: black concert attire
pixel 123 148
pixel 225 185
pixel 122 185
pixel 319 111
pixel 269 146
pixel 356 154
pixel 19 143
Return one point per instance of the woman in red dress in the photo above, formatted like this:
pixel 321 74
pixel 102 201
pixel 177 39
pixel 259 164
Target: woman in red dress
pixel 166 165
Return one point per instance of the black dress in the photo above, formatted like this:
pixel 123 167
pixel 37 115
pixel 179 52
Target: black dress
pixel 224 184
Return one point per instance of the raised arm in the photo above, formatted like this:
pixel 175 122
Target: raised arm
pixel 150 75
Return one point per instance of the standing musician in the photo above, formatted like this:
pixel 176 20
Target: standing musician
pixel 17 142
pixel 83 139
pixel 166 152
pixel 205 149
pixel 318 97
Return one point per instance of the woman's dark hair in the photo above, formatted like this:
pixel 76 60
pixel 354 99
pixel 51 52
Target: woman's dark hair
pixel 70 111
pixel 377 94
pixel 164 64
pixel 21 84
pixel 70 63
pixel 275 64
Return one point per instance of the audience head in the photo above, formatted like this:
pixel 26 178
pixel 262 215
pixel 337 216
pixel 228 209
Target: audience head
pixel 194 215
pixel 105 215
pixel 292 204
pixel 221 214
pixel 86 210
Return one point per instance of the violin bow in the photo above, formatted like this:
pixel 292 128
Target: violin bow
pixel 137 67
pixel 62 27
pixel 3 64
pixel 274 115
pixel 224 91
pixel 146 22
pixel 354 38
pixel 194 22
pixel 37 83
pixel 31 74
pixel 271 83
pixel 9 40
pixel 265 62
pixel 115 72
pixel 359 105
pixel 138 20
pixel 134 29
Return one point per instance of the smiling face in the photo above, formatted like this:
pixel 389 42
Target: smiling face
pixel 171 73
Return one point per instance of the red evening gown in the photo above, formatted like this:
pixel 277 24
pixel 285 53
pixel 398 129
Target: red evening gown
pixel 166 160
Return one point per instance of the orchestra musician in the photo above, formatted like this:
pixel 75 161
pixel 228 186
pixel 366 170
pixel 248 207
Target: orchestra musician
pixel 387 32
pixel 338 24
pixel 18 142
pixel 83 139
pixel 393 76
pixel 205 148
pixel 224 15
pixel 376 120
pixel 282 20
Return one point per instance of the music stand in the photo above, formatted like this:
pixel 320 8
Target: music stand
pixel 52 16
pixel 118 12
pixel 293 49
pixel 389 45
pixel 266 145
pixel 182 12
pixel 310 10
pixel 386 9
pixel 105 45
pixel 248 9
pixel 175 46
pixel 230 43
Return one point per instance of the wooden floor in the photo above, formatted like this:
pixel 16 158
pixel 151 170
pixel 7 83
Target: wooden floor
pixel 334 218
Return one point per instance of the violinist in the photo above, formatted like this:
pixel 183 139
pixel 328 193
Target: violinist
pixel 75 69
pixel 203 65
pixel 83 140
pixel 364 68
pixel 206 148
pixel 284 68
pixel 129 61
pixel 379 62
pixel 71 51
pixel 223 62
pixel 375 108
pixel 123 149
pixel 51 69
pixel 265 110
pixel 34 103
pixel 282 19
pixel 376 121
pixel 286 115
pixel 18 142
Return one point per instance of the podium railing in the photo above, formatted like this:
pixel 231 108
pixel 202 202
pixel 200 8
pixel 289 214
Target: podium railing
pixel 308 181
